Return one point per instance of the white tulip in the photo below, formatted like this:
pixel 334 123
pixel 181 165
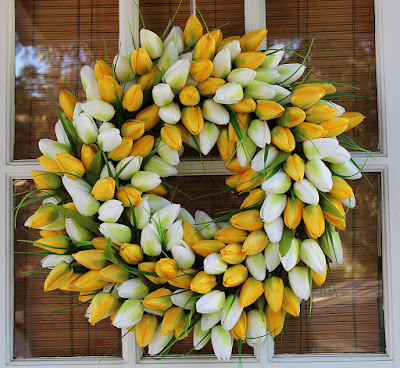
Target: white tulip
pixel 209 320
pixel 84 202
pixel 166 216
pixel 245 151
pixel 99 109
pixel 260 90
pixel 273 207
pixel 93 92
pixel 130 313
pixel 118 233
pixel 256 328
pixel 228 93
pixel 109 139
pixel 339 156
pixel 259 133
pixel 256 266
pixel 215 112
pixel 348 202
pixel 272 256
pixel 259 163
pixel 222 64
pixel 71 185
pixel 312 255
pixel 133 289
pixel 86 128
pixel 205 224
pixel 159 342
pixel 274 229
pixel 332 246
pixel 318 149
pixel 154 312
pixel 186 56
pixel 231 312
pixel 162 94
pixel 156 202
pixel 267 75
pixel 169 57
pixel 50 148
pixel 159 166
pixel 243 76
pixel 177 74
pixel 222 343
pixel 183 255
pixel 200 337
pixel 87 76
pixel 298 279
pixel 110 211
pixel 347 169
pixel 208 137
pixel 318 173
pixel 214 265
pixel 289 73
pixel 151 42
pixel 76 231
pixel 234 49
pixel 278 184
pixel 52 260
pixel 306 192
pixel 150 241
pixel 123 69
pixel 282 95
pixel 105 125
pixel 273 56
pixel 60 134
pixel 175 36
pixel 183 298
pixel 128 166
pixel 107 170
pixel 174 235
pixel 142 213
pixel 211 302
pixel 289 260
pixel 144 181
pixel 185 215
pixel 168 154
pixel 170 113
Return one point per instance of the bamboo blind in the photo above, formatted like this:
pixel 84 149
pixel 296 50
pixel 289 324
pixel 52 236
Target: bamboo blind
pixel 53 40
pixel 343 50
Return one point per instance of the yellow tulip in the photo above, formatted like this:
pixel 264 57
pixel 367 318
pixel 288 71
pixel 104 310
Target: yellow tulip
pixel 217 35
pixel 205 48
pixel 158 190
pixel 102 68
pixel 172 136
pixel 245 105
pixel 151 267
pixel 101 306
pixel 104 189
pixel 320 111
pixel 189 96
pixel 88 151
pixel 133 129
pixel 114 273
pixel 183 278
pixel 146 81
pixel 249 59
pixel 233 254
pixel 226 146
pixel 85 296
pixel 255 243
pixel 306 96
pixel 290 302
pixel 56 244
pixel 233 180
pixel 70 284
pixel 133 98
pixel 192 119
pixel 328 87
pixel 159 299
pixel 334 126
pixel 293 116
pixel 109 89
pixel 131 253
pixel 340 188
pixel 202 283
pixel 336 221
pixel 70 165
pixel 273 291
pixel 49 164
pixel 275 320
pixel 247 220
pixel 307 131
pixel 235 276
pixel 231 235
pixel 146 329
pixel 93 259
pixel 252 40
pixel 150 116
pixel 314 221
pixel 355 118
pixel 251 290
pixel 58 276
pixel 193 30
pixel 143 146
pixel 257 196
pixel 43 216
pixel 267 110
pixel 293 212
pixel 68 102
pixel 70 206
pixel 122 151
pixel 207 247
pixel 201 69
pixel 319 278
pixel 100 242
pixel 191 235
pixel 294 166
pixel 141 62
pixel 50 233
pixel 166 268
pixel 282 138
pixel 210 86
pixel 249 180
pixel 239 330
pixel 128 195
pixel 90 281
pixel 234 166
pixel 173 319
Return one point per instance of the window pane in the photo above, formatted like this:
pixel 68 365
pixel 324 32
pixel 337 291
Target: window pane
pixel 53 40
pixel 37 331
pixel 343 50
pixel 352 322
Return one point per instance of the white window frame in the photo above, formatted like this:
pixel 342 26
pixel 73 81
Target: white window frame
pixel 384 162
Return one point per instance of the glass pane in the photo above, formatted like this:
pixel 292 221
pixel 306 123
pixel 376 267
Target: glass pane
pixel 343 50
pixel 37 331
pixel 352 322
pixel 53 40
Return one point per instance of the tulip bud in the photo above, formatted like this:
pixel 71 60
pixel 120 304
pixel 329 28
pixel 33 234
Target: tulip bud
pixel 200 337
pixel 193 30
pixel 192 119
pixel 338 156
pixel 151 267
pixel 273 207
pixel 205 48
pixel 150 241
pixel 245 151
pixel 222 343
pixel 87 76
pixel 162 94
pixel 293 212
pixel 267 110
pixel 214 264
pixel 151 42
pixel 68 102
pixel 234 165
pixel 183 255
pixel 166 216
pixel 260 91
pixel 207 247
pixel 255 243
pixel 210 86
pixel 222 64
pixel 203 283
pixel 70 165
pixel 314 221
pixel 123 69
pixel 249 59
pixel 306 96
pixel 334 126
pixel 294 166
pixel 130 313
pixel 58 276
pixel 355 118
pixel 88 153
pixel 320 111
pixel 256 266
pixel 317 172
pixel 142 147
pixel 290 302
pixel 104 189
pixel 231 313
pixel 128 166
pixel 118 233
pixel 257 196
pixel 231 235
pixel 306 192
pixel 158 343
pixel 278 184
pixel 205 225
pixel 56 244
pixel 340 189
pixel 159 299
pixel 293 116
pixel 229 93
pixel 114 273
pixel 133 98
pixel 319 278
pixel 166 268
pixel 283 138
pixel 173 319
pixel 110 211
pixel 99 110
pixel 298 279
pixel 102 306
pixel 274 292
pixel 251 290
pixel 312 255
pixel 233 254
pixel 214 112
pixel 289 73
pixel 247 220
pixel 172 136
pixel 346 170
pixel 233 45
pixel 275 320
pixel 159 166
pixel 128 195
pixel 183 278
pixel 189 96
pixel 49 165
pixel 256 328
pixel 337 221
pixel 209 320
pixel 110 89
pixel 170 113
pixel 266 75
pixel 177 74
pixel 174 236
pixel 145 330
pixel 211 302
pixel 131 253
pixel 182 298
pixel 290 259
pixel 51 148
pixel 141 62
pixel 156 202
pixel 169 56
pixel 272 256
pixel 208 137
pixel 45 180
pixel 274 229
pixel 244 106
pixel 92 93
pixel 109 139
pixel 242 76
pixel 144 181
pixel 259 133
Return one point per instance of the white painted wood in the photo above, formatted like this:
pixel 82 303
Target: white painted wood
pixel 128 21
pixel 255 17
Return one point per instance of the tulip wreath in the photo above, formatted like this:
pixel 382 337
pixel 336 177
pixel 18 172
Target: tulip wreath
pixel 111 236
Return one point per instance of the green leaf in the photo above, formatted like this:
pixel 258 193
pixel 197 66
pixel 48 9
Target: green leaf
pixel 80 219
pixel 95 168
pixel 158 76
pixel 286 241
pixel 327 206
pixel 337 94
